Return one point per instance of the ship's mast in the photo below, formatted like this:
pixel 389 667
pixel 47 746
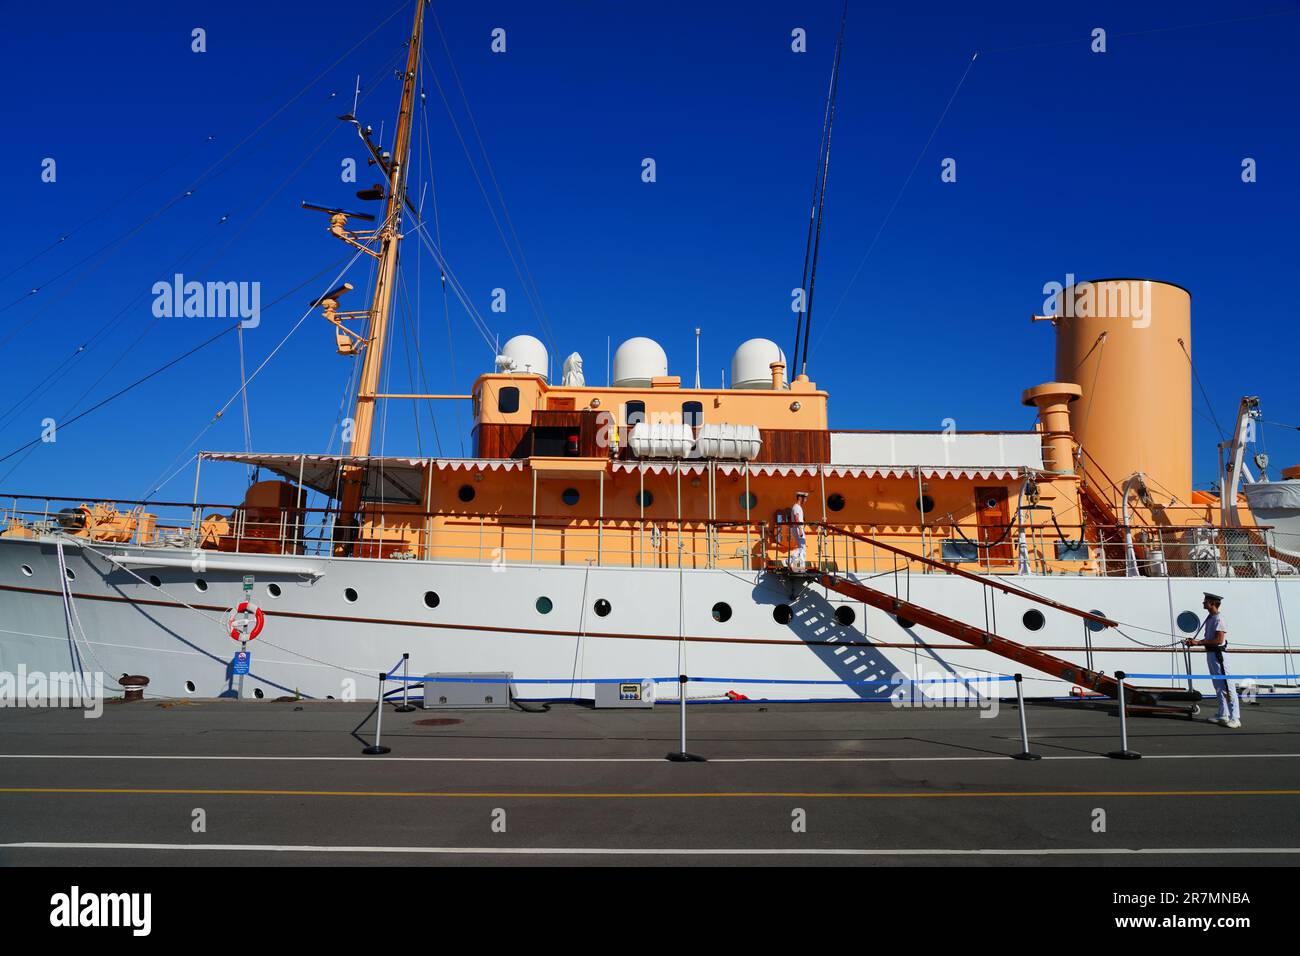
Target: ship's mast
pixel 390 237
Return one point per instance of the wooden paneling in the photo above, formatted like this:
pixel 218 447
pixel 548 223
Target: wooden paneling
pixel 502 441
pixel 582 422
pixel 517 440
pixel 790 446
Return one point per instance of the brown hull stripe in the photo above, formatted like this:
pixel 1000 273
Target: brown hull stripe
pixel 437 625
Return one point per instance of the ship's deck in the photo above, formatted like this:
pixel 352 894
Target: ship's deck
pixel 286 783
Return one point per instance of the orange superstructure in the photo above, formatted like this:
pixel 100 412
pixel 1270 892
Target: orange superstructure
pixel 644 472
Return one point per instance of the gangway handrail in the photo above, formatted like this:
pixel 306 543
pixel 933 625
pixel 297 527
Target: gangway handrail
pixel 986 581
pixel 1147 697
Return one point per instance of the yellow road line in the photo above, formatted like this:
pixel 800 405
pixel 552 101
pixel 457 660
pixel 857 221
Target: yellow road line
pixel 442 794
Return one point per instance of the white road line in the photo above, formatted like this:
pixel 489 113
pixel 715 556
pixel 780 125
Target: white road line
pixel 658 851
pixel 389 759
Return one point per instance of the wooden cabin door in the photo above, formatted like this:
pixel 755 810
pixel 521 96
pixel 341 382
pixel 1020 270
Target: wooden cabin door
pixel 994 515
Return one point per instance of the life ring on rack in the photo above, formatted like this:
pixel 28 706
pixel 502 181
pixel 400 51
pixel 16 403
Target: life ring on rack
pixel 245 607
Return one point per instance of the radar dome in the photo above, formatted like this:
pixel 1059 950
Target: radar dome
pixel 751 365
pixel 637 361
pixel 525 354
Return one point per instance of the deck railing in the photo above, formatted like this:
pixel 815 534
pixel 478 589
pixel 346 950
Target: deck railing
pixel 1034 545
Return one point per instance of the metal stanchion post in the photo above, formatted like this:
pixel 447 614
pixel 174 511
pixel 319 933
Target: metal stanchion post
pixel 682 756
pixel 1123 753
pixel 405 707
pixel 1024 728
pixel 379 720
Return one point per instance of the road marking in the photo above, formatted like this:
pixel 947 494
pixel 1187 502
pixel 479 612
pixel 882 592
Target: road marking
pixel 660 851
pixel 648 795
pixel 390 759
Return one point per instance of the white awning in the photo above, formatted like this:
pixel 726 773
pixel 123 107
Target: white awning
pixel 398 480
pixel 659 467
pixel 874 471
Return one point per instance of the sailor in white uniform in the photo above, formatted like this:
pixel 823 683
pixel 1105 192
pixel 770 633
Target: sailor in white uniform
pixel 1215 643
pixel 799 556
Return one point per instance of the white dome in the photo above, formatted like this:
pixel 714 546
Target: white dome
pixel 637 361
pixel 751 366
pixel 526 354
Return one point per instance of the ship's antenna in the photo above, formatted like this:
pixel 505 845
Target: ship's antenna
pixel 697 358
pixel 813 243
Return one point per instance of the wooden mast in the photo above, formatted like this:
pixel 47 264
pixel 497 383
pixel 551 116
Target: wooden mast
pixel 376 338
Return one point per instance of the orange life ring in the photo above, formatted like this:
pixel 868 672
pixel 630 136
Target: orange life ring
pixel 258 620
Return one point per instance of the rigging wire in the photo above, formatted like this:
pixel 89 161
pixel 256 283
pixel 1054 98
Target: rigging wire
pixel 457 289
pixel 427 150
pixel 128 388
pixel 328 130
pixel 205 176
pixel 898 198
pixel 812 215
pixel 160 482
pixel 505 209
pixel 1204 394
pixel 534 304
pixel 65 367
pixel 154 176
pixel 810 275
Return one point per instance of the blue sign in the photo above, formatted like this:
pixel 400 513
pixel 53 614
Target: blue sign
pixel 241 662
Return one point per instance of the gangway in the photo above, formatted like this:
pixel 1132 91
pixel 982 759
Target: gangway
pixel 1140 699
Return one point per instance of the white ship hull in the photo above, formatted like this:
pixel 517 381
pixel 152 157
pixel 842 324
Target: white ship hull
pixel 319 643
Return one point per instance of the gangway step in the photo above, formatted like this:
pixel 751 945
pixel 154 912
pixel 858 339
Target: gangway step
pixel 1147 698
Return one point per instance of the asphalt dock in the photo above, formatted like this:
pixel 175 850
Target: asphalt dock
pixel 250 783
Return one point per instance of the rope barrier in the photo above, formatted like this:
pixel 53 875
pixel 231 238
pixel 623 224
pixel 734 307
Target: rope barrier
pixel 699 680
pixel 1214 677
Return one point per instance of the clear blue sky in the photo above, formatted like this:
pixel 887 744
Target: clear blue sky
pixel 1125 163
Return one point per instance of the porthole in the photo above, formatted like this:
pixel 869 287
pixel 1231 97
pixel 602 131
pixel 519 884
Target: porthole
pixel 200 584
pixel 748 500
pixel 431 599
pixel 645 498
pixel 544 605
pixel 1033 620
pixel 466 493
pixel 72 575
pixel 350 595
pixel 155 580
pixel 257 692
pixel 845 615
pixel 722 612
pixel 1188 622
pixel 602 608
pixel 782 614
pixel 835 502
pixel 570 496
pixel 925 504
pixel 273 590
pixel 1095 626
pixel 189 686
pixel 26 570
pixel 905 624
